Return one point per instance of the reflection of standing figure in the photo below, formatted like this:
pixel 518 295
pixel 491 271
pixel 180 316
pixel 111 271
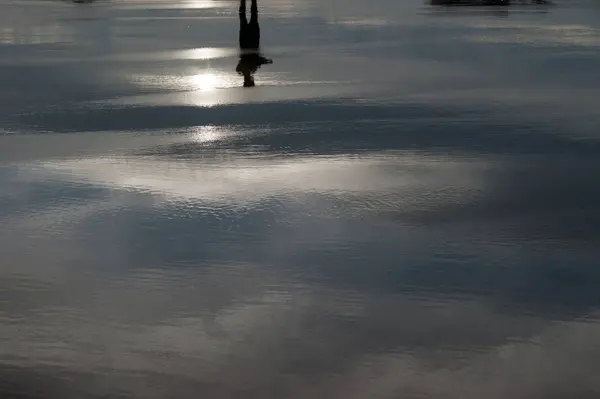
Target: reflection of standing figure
pixel 250 58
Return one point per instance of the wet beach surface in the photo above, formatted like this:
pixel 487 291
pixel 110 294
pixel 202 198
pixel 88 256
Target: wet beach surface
pixel 406 206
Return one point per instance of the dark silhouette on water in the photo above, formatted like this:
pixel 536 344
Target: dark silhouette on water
pixel 250 56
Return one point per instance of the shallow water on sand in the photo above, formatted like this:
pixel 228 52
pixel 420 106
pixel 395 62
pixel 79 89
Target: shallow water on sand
pixel 406 206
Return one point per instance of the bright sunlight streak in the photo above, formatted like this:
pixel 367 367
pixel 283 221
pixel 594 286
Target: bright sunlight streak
pixel 205 81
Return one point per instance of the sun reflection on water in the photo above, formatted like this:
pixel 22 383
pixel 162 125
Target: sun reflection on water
pixel 205 134
pixel 162 4
pixel 204 81
pixel 204 53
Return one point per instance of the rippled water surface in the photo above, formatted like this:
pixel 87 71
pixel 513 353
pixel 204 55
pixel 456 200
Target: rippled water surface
pixel 406 206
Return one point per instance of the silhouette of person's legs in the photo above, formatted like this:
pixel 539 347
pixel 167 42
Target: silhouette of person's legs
pixel 249 32
pixel 243 23
pixel 254 12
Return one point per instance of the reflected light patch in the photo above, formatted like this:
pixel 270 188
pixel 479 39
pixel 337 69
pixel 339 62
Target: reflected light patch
pixel 205 134
pixel 204 81
pixel 202 4
pixel 210 81
pixel 163 4
pixel 250 178
pixel 204 53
